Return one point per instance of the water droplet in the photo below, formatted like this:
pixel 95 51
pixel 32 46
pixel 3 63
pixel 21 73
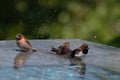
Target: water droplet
pixel 94 36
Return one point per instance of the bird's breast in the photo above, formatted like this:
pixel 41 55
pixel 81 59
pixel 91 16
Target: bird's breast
pixel 80 54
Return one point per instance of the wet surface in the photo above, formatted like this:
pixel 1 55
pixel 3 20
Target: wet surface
pixel 56 73
pixel 102 62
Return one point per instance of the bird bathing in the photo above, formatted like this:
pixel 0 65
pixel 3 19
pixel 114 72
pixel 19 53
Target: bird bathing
pixel 101 63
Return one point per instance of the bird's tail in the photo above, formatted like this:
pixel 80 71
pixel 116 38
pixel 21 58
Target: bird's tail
pixel 54 50
pixel 34 50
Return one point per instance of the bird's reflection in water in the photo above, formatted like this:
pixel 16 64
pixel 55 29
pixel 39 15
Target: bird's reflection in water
pixel 81 69
pixel 81 66
pixel 20 59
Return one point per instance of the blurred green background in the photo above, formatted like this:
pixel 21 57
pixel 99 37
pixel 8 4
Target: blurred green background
pixel 92 20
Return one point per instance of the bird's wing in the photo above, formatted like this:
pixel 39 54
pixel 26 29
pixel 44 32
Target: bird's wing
pixel 27 41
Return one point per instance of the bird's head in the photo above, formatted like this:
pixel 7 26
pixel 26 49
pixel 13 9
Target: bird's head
pixel 66 44
pixel 84 48
pixel 19 36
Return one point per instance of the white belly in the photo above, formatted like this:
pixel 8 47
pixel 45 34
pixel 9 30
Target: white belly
pixel 24 46
pixel 80 54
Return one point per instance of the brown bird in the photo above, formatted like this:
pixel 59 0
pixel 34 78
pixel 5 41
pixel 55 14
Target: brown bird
pixel 63 49
pixel 23 43
pixel 80 52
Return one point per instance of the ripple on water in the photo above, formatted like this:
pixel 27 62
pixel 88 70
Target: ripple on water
pixel 57 72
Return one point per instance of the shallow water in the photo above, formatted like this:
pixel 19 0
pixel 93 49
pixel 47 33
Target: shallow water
pixel 101 62
pixel 56 72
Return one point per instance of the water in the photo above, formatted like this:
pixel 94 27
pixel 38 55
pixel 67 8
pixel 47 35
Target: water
pixel 56 73
pixel 42 65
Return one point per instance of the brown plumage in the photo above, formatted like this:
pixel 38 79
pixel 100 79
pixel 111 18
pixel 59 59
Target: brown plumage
pixel 80 52
pixel 75 56
pixel 77 53
pixel 23 43
pixel 63 49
